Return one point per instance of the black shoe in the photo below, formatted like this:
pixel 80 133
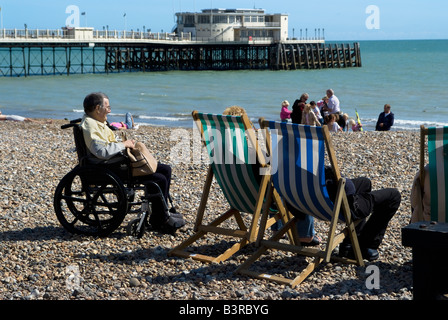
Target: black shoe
pixel 170 223
pixel 370 254
pixel 176 220
pixel 315 242
pixel 346 251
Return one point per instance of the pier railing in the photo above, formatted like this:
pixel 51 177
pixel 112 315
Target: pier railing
pixel 64 35
pixel 15 35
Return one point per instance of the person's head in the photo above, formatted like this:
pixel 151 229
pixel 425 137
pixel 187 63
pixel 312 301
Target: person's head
pixel 313 104
pixel 234 111
pixel 332 117
pixel 345 116
pixel 351 122
pixel 307 108
pixel 304 97
pixel 96 105
pixel 330 93
pixel 387 108
pixel 285 103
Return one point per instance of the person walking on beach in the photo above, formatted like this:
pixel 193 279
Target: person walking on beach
pixel 285 113
pixel 297 108
pixel 385 119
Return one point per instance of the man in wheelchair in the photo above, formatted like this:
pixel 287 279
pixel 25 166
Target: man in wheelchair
pixel 102 143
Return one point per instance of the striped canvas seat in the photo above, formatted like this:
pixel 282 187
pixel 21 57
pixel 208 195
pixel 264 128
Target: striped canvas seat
pixel 231 145
pixel 231 159
pixel 438 170
pixel 299 173
pixel 298 157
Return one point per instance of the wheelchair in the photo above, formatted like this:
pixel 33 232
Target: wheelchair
pixel 94 198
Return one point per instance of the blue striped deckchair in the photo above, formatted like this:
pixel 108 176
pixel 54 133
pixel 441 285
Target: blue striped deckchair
pixel 231 145
pixel 438 170
pixel 298 175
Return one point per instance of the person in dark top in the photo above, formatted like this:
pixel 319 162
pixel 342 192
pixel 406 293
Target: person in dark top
pixel 297 108
pixel 374 209
pixel 385 119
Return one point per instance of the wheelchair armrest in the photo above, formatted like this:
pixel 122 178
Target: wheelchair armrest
pixel 120 158
pixel 71 124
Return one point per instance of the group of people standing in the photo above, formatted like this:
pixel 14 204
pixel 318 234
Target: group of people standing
pixel 327 111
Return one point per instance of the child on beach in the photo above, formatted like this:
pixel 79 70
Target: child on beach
pixel 316 111
pixel 285 113
pixel 309 117
pixel 343 121
pixel 355 126
pixel 332 125
pixel 322 104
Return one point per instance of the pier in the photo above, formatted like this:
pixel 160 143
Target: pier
pixel 84 50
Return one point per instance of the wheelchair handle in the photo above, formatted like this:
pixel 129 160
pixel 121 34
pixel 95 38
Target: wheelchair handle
pixel 71 124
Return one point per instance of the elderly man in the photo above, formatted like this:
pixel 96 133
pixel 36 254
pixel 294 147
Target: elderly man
pixel 332 103
pixel 103 144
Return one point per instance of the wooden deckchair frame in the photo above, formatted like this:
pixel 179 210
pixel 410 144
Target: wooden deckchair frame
pixel 245 234
pixel 424 132
pixel 333 240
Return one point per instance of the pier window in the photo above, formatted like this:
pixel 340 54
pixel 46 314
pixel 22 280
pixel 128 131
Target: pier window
pixel 189 20
pixel 204 19
pixel 219 19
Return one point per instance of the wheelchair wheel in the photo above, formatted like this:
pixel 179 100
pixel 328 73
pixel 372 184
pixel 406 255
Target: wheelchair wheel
pixel 90 201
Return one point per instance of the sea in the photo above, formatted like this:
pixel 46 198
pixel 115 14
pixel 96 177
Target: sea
pixel 409 75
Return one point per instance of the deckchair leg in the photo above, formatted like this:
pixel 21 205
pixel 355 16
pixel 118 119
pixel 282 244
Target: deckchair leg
pixel 352 232
pixel 273 243
pixel 334 221
pixel 246 235
pixel 205 193
pixel 258 208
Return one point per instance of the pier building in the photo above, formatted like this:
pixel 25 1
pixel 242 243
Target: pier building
pixel 213 39
pixel 234 25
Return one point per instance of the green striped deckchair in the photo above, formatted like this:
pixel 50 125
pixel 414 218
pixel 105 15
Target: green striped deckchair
pixel 438 169
pixel 235 161
pixel 297 155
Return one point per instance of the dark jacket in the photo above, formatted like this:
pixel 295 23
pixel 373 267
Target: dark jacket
pixel 388 122
pixel 297 109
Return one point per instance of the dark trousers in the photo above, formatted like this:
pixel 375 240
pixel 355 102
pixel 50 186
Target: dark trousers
pixel 162 177
pixel 375 209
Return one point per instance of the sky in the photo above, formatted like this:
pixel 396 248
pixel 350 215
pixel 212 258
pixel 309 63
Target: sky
pixel 338 20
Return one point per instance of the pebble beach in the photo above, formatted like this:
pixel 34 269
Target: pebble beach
pixel 39 257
